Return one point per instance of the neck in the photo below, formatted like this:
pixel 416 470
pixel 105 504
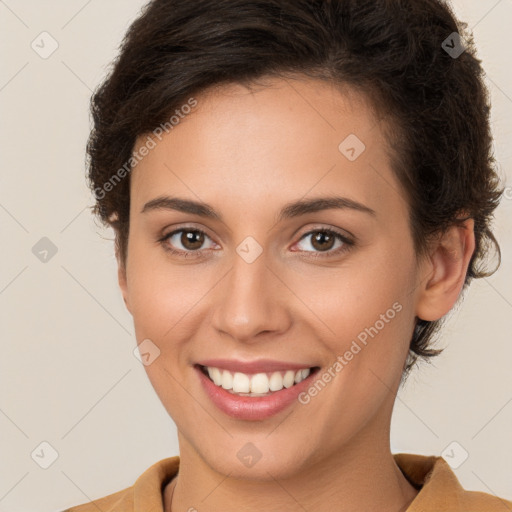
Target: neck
pixel 358 479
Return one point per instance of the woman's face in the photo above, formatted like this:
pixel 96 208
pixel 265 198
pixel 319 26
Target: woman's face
pixel 261 285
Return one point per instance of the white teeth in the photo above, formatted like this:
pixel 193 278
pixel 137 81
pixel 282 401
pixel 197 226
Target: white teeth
pixel 301 375
pixel 215 375
pixel 276 381
pixel 259 383
pixel 289 378
pixel 227 380
pixel 241 383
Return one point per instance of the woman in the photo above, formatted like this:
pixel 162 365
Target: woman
pixel 301 191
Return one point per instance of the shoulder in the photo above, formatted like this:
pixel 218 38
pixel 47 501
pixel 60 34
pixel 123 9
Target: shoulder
pixel 119 501
pixel 144 494
pixel 483 502
pixel 439 488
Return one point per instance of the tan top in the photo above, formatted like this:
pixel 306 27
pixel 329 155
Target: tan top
pixel 440 489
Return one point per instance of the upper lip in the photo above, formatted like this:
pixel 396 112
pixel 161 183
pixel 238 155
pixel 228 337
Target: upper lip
pixel 257 366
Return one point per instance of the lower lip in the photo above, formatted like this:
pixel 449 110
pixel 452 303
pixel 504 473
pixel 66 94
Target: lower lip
pixel 257 408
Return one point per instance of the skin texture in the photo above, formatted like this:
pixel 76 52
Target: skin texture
pixel 247 154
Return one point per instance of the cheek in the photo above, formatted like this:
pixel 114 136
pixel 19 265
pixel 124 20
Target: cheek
pixel 367 315
pixel 373 337
pixel 156 292
pixel 353 296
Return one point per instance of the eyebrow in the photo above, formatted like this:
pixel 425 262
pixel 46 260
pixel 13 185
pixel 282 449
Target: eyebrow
pixel 290 210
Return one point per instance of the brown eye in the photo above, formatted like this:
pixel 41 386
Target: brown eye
pixel 186 241
pixel 323 241
pixel 192 240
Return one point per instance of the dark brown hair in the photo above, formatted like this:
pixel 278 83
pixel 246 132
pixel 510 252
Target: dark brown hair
pixel 392 51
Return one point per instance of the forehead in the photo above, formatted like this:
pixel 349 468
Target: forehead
pixel 274 142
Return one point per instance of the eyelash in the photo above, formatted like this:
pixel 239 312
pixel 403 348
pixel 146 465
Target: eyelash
pixel 347 243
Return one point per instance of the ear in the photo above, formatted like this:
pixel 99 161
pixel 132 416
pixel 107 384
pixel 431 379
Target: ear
pixel 445 271
pixel 121 278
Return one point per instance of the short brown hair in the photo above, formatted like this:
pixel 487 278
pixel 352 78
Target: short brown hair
pixel 393 51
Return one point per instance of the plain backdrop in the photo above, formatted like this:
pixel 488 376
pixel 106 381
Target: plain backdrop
pixel 72 389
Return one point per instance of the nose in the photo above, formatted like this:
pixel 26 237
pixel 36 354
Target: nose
pixel 251 301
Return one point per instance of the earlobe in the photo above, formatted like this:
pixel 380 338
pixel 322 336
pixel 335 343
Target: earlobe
pixel 447 264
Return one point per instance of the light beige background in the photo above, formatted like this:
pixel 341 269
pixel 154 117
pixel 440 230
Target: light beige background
pixel 67 369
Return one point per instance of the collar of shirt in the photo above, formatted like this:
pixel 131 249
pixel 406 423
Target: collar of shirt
pixel 440 489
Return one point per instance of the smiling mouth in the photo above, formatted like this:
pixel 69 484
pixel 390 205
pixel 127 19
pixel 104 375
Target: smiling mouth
pixel 258 384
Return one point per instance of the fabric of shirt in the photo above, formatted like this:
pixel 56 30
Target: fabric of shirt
pixel 440 490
